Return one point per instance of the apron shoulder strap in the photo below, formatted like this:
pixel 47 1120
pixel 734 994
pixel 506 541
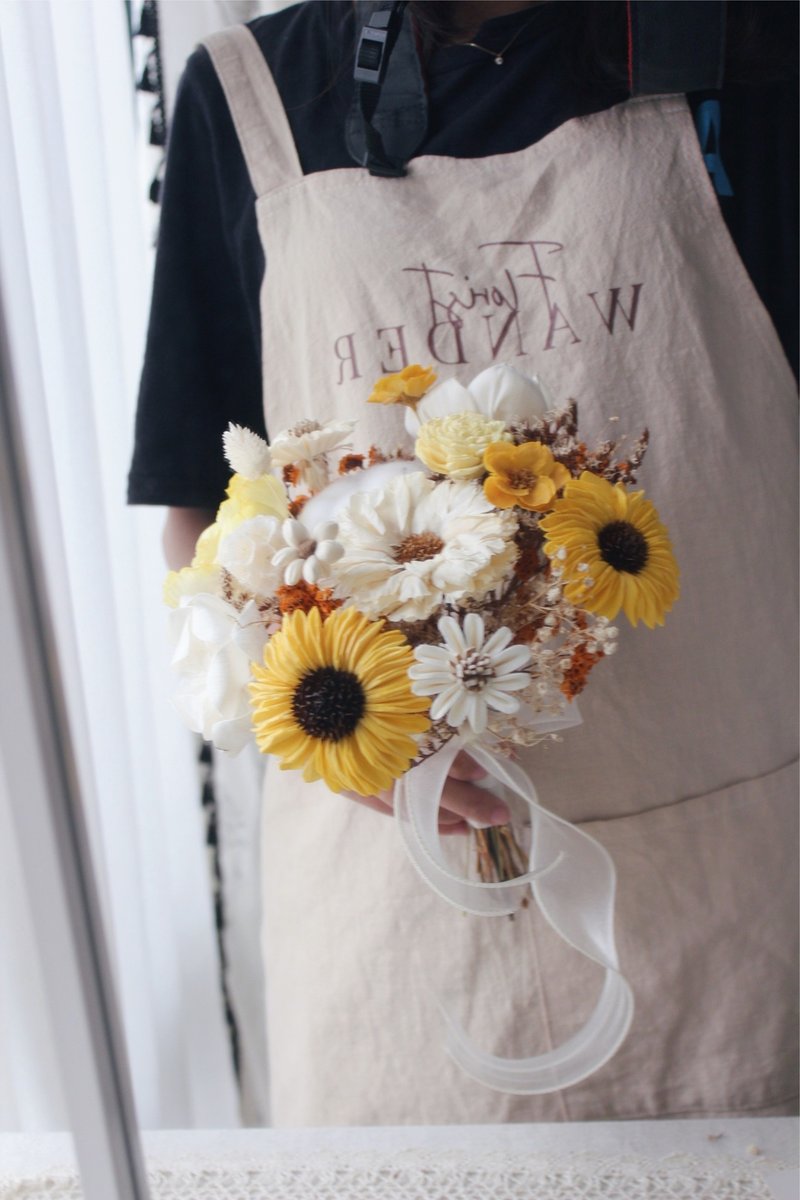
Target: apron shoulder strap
pixel 258 113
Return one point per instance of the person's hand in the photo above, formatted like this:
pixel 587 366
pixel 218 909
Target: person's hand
pixel 461 799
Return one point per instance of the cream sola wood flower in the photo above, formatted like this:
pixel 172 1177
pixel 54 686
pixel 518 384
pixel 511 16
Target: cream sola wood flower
pixel 417 544
pixel 468 674
pixel 455 445
pixel 302 451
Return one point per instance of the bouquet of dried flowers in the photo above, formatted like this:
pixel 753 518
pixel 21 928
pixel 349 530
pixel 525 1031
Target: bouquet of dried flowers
pixel 356 608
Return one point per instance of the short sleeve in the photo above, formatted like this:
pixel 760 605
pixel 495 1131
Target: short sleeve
pixel 202 365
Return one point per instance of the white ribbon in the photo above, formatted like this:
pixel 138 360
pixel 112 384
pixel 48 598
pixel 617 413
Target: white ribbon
pixel 572 879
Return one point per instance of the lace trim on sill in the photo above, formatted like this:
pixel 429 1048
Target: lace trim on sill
pixel 420 1175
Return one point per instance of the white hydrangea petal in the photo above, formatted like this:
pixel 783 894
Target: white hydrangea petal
pixel 212 694
pixel 210 621
pixel 223 681
pixel 251 640
pixel 232 736
pixel 248 552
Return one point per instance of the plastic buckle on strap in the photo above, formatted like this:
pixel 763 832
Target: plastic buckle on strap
pixel 371 55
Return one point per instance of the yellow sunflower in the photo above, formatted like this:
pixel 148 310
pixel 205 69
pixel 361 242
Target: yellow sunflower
pixel 614 550
pixel 525 476
pixel 334 699
pixel 404 387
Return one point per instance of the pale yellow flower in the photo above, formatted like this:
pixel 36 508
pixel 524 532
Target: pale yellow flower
pixel 262 497
pixel 247 498
pixel 403 387
pixel 454 445
pixel 205 551
pixel 190 581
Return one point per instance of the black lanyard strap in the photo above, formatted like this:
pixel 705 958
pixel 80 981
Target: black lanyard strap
pixel 390 111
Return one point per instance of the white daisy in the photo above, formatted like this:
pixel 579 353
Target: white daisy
pixel 417 544
pixel 469 673
pixel 247 453
pixel 307 555
pixel 499 393
pixel 306 446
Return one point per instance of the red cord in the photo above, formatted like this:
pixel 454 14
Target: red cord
pixel 629 9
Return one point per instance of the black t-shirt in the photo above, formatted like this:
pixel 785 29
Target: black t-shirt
pixel 202 365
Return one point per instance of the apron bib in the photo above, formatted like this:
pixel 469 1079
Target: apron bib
pixel 598 259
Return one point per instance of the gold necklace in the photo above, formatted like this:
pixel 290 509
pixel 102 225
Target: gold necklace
pixel 499 55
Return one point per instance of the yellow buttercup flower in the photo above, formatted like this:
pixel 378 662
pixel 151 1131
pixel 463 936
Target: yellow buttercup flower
pixel 613 549
pixel 334 699
pixel 525 476
pixel 404 387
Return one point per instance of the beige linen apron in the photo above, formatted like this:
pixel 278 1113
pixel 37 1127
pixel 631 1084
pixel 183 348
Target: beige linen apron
pixel 598 259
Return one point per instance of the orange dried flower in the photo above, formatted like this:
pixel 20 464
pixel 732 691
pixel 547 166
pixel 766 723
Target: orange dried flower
pixel 376 456
pixel 350 462
pixel 291 474
pixel 297 505
pixel 404 387
pixel 577 673
pixel 305 596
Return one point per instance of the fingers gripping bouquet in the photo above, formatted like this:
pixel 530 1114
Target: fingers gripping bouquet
pixel 369 613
